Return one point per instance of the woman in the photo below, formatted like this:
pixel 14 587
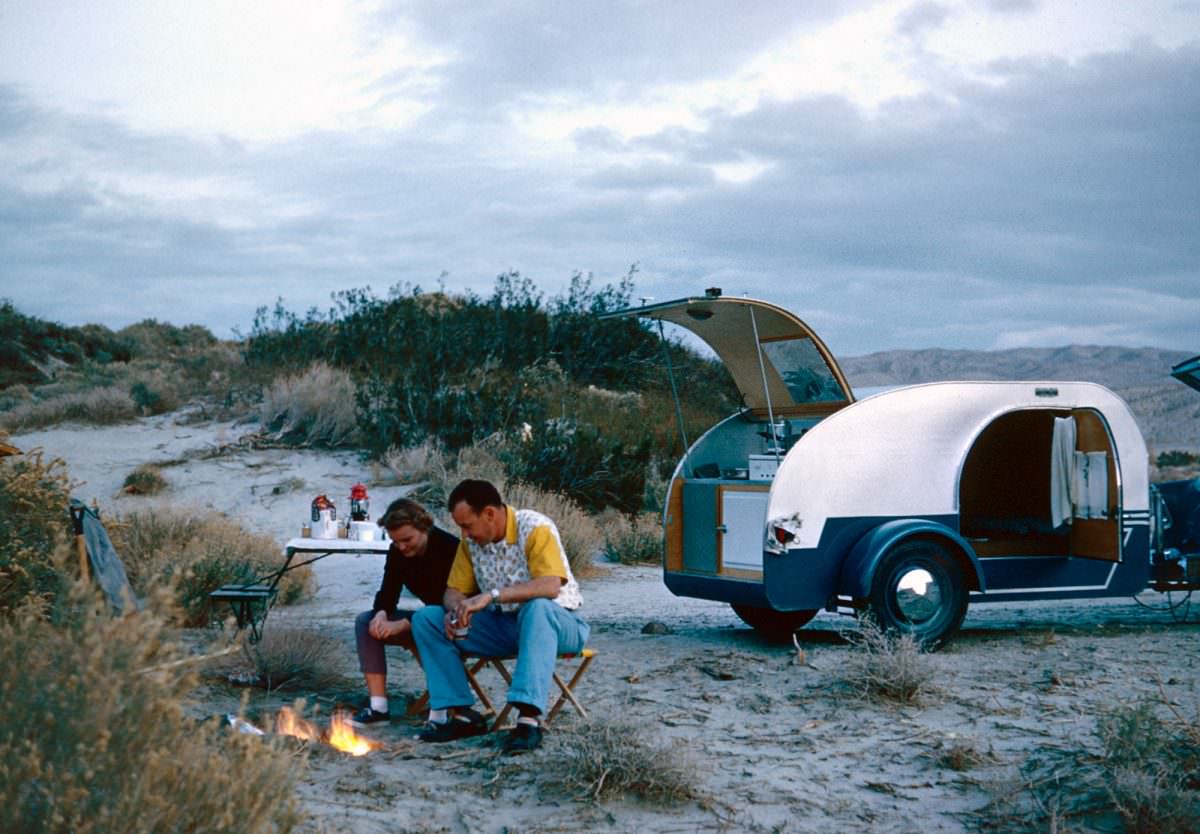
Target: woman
pixel 419 559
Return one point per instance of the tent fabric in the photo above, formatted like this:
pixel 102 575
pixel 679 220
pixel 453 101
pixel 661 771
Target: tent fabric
pixel 107 568
pixel 1062 463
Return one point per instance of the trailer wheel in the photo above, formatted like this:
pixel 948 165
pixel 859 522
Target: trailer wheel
pixel 918 589
pixel 772 624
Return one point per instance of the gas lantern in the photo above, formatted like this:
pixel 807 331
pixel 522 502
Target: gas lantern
pixel 360 505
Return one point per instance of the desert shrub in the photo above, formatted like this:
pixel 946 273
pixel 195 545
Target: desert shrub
pixel 145 479
pixel 886 665
pixel 289 657
pixel 580 461
pixel 34 523
pixel 312 408
pixel 613 759
pixel 92 744
pixel 422 462
pixel 1154 768
pixel 98 406
pixel 1175 458
pixel 632 540
pixel 195 552
pixel 1144 777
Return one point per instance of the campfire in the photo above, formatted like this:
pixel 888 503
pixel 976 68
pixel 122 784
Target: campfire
pixel 340 735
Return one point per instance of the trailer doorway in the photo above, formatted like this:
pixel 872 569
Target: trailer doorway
pixel 1006 503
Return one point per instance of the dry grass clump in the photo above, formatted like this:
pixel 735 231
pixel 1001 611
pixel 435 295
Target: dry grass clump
pixel 312 408
pixel 425 461
pixel 34 524
pixel 960 753
pixel 886 665
pixel 196 552
pixel 632 541
pixel 99 406
pixel 1145 779
pixel 289 657
pixel 92 744
pixel 146 479
pixel 612 759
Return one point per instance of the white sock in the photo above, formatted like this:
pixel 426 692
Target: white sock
pixel 379 703
pixel 439 716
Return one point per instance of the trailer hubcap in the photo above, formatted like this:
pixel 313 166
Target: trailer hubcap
pixel 918 595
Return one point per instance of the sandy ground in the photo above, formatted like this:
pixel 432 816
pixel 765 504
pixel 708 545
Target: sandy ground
pixel 774 742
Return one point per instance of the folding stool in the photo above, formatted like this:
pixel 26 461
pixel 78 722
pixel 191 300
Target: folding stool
pixel 474 664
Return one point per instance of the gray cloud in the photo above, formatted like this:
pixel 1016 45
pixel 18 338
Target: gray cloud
pixel 1059 205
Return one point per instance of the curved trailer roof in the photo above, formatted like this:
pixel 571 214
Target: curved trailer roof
pixel 901 452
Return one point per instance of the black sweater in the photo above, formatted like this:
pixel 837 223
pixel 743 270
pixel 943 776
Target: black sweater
pixel 424 575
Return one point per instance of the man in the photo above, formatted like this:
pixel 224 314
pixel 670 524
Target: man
pixel 419 559
pixel 510 591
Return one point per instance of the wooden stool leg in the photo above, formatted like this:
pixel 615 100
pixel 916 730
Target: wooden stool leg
pixel 568 693
pixel 472 669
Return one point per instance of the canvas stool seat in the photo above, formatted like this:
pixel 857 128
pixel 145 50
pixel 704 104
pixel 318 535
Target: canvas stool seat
pixel 473 665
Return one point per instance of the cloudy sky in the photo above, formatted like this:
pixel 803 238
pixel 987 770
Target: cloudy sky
pixel 900 173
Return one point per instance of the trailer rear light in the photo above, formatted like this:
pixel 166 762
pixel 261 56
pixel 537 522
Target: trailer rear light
pixel 784 536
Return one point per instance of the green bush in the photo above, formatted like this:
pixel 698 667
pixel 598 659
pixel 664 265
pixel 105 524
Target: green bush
pixel 145 479
pixel 93 743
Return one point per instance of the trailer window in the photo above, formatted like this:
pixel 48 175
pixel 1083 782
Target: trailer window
pixel 803 370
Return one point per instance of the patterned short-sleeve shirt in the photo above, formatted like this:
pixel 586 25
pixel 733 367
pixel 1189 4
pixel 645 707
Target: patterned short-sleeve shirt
pixel 531 548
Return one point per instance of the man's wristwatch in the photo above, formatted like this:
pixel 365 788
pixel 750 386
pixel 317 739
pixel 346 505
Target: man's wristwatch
pixel 495 592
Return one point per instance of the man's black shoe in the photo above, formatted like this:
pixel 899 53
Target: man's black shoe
pixel 523 738
pixel 367 716
pixel 466 723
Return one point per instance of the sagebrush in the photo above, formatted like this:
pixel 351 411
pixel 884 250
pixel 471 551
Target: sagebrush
pixel 196 551
pixel 95 741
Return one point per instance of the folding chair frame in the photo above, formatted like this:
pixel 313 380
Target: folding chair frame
pixel 474 664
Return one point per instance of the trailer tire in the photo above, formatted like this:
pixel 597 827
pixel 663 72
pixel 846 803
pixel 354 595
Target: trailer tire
pixel 771 624
pixel 918 589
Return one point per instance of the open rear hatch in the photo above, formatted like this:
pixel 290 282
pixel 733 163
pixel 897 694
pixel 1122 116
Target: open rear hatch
pixel 780 366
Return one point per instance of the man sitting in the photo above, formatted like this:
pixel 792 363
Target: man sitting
pixel 510 591
pixel 419 559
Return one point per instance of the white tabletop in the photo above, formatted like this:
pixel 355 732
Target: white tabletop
pixel 310 545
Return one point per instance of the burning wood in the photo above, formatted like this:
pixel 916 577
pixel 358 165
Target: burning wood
pixel 340 735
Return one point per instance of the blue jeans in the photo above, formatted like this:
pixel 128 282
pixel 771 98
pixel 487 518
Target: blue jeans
pixel 537 633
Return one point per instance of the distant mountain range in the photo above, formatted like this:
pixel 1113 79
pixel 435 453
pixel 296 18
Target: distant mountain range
pixel 1167 410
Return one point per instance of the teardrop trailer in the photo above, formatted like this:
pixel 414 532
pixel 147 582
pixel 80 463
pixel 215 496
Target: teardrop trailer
pixel 914 502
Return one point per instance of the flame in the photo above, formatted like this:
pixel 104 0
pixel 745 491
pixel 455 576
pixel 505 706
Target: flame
pixel 341 733
pixel 288 723
pixel 343 737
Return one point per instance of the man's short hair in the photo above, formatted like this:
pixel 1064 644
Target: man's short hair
pixel 405 511
pixel 478 495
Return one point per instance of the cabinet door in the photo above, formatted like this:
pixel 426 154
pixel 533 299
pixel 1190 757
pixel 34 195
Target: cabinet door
pixel 741 528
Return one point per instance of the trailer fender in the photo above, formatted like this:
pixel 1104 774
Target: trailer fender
pixel 858 571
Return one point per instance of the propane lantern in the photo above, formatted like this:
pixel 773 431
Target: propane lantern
pixel 360 504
